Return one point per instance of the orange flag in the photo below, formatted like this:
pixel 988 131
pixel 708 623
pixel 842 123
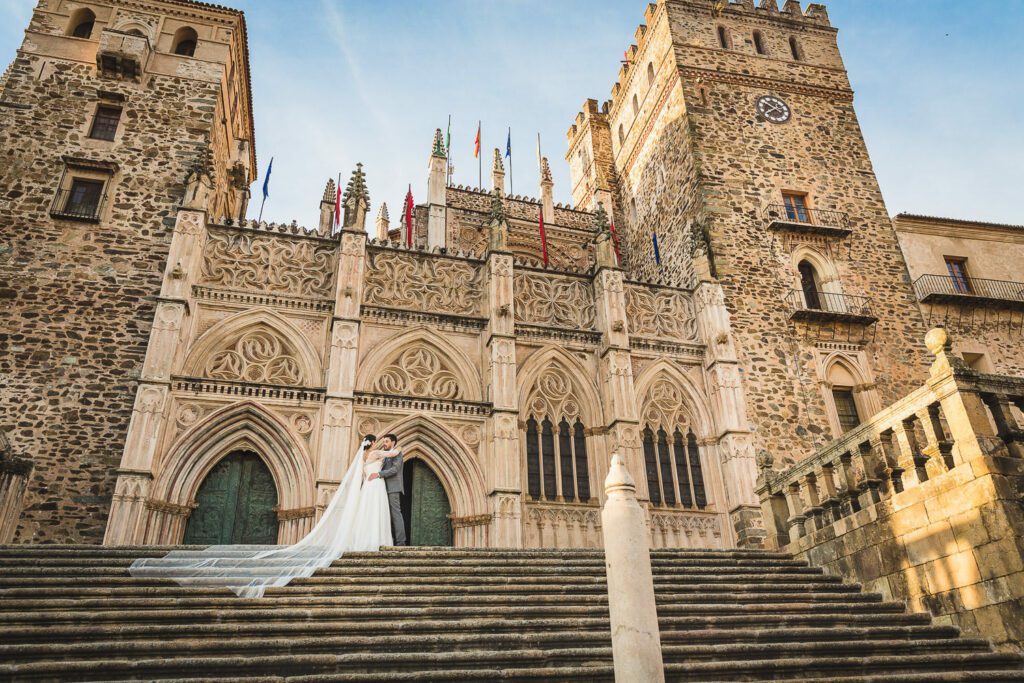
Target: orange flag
pixel 476 148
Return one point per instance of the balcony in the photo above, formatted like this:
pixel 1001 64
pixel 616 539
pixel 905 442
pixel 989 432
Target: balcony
pixel 830 307
pixel 75 206
pixel 806 220
pixel 122 55
pixel 972 291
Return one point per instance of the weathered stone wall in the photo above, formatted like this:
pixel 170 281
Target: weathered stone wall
pixel 76 296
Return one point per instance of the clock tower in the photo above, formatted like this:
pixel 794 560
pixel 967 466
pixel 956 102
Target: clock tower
pixel 736 147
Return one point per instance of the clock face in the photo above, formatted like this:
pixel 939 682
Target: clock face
pixel 773 109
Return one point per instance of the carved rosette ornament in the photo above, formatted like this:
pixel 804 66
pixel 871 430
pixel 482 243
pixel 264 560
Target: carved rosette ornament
pixel 419 371
pixel 268 264
pixel 553 301
pixel 552 396
pixel 259 356
pixel 422 283
pixel 664 314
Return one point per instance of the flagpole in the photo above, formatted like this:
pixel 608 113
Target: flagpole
pixel 260 219
pixel 511 187
pixel 480 155
pixel 266 189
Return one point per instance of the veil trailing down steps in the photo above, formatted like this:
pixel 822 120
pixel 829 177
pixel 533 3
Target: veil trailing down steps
pixel 249 570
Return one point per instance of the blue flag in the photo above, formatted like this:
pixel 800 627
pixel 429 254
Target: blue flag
pixel 266 181
pixel 657 254
pixel 508 145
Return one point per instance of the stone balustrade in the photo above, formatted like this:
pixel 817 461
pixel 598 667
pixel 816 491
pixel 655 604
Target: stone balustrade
pixel 921 502
pixel 14 474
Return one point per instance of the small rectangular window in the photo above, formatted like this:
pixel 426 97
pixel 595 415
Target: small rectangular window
pixel 846 408
pixel 723 37
pixel 961 281
pixel 104 124
pixel 796 207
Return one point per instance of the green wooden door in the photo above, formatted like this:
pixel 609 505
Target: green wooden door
pixel 235 504
pixel 429 508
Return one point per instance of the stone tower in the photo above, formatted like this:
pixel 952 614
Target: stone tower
pixel 112 116
pixel 731 137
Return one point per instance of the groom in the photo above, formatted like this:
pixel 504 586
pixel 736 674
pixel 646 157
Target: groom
pixel 391 473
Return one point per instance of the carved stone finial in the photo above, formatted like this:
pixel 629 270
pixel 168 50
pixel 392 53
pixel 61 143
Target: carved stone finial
pixel 940 345
pixel 382 215
pixel 498 166
pixel 604 241
pixel 439 150
pixel 937 340
pixel 619 478
pixel 356 200
pixel 545 171
pixel 765 460
pixel 330 192
pixel 498 237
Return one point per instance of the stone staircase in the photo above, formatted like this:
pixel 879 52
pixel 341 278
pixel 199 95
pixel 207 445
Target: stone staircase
pixel 72 613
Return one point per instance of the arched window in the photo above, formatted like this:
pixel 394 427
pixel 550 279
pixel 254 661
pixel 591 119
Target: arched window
pixel 636 105
pixel 622 134
pixel 810 285
pixel 671 450
pixel 650 74
pixel 557 466
pixel 759 42
pixel 723 37
pixel 81 24
pixel 844 398
pixel 794 48
pixel 185 41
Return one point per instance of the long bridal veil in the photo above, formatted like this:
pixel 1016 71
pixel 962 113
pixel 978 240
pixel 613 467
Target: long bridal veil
pixel 250 570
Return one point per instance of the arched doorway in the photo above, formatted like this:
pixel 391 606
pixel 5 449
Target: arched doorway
pixel 235 504
pixel 425 506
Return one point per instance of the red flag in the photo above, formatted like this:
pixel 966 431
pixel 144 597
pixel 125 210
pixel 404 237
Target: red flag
pixel 408 217
pixel 615 243
pixel 337 205
pixel 476 146
pixel 543 238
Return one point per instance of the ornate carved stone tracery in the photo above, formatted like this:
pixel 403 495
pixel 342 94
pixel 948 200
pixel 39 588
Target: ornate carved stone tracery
pixel 555 301
pixel 419 371
pixel 660 313
pixel 437 285
pixel 665 407
pixel 261 356
pixel 268 264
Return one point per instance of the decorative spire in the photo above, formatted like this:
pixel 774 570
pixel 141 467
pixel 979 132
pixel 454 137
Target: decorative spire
pixel 356 200
pixel 439 150
pixel 383 222
pixel 604 240
pixel 545 171
pixel 382 215
pixel 497 208
pixel 499 224
pixel 498 166
pixel 330 192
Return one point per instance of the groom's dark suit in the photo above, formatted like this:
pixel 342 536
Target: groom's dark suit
pixel 391 473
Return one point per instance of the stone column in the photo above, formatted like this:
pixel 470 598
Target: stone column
pixel 437 195
pixel 728 404
pixel 504 472
pixel 336 439
pixel 128 513
pixel 636 639
pixel 618 393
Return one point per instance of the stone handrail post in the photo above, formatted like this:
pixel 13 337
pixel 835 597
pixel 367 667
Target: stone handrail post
pixel 14 473
pixel 636 639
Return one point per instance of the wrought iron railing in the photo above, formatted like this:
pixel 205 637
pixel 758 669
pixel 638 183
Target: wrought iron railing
pixel 948 287
pixel 65 205
pixel 829 303
pixel 782 213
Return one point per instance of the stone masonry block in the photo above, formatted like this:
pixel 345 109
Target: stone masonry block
pixel 1000 558
pixel 930 543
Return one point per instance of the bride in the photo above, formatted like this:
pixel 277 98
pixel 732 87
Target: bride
pixel 357 519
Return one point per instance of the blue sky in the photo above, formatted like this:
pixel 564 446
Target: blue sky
pixel 938 83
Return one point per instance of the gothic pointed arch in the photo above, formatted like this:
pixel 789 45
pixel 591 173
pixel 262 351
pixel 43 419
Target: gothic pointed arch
pixel 255 346
pixel 565 371
pixel 822 263
pixel 693 399
pixel 420 362
pixel 448 456
pixel 242 426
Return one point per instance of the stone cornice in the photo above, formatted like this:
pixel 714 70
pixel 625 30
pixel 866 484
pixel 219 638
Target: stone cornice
pixel 766 83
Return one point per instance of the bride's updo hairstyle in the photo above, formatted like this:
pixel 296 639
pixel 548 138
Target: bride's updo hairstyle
pixel 372 438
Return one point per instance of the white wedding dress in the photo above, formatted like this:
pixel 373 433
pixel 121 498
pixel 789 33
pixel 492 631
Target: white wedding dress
pixel 357 519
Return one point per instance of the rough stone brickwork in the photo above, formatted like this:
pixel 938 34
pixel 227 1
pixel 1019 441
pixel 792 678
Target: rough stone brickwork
pixel 701 167
pixel 77 295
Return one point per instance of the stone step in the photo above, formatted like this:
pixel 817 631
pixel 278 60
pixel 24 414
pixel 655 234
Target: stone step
pixel 898 636
pixel 384 576
pixel 722 669
pixel 596 596
pixel 483 587
pixel 378 611
pixel 318 644
pixel 390 628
